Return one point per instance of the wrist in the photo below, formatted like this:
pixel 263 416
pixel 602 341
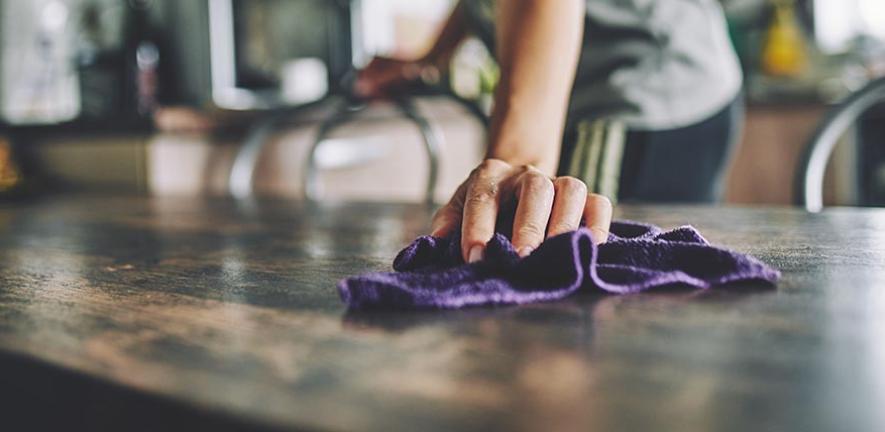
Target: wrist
pixel 523 141
pixel 545 165
pixel 541 153
pixel 421 71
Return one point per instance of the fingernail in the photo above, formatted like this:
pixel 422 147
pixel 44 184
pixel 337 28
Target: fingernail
pixel 598 236
pixel 525 251
pixel 475 254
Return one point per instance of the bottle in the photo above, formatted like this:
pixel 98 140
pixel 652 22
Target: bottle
pixel 142 56
pixel 785 53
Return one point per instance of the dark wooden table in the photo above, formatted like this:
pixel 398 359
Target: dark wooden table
pixel 138 313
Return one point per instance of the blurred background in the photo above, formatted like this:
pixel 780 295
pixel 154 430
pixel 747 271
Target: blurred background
pixel 250 97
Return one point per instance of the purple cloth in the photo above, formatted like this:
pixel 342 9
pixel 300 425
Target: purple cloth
pixel 430 272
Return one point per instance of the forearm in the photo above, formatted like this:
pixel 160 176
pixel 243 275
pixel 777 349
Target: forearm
pixel 538 46
pixel 452 34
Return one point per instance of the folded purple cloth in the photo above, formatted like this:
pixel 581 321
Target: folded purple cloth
pixel 430 272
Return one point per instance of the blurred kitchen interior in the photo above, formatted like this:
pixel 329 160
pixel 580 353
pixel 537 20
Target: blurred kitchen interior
pixel 218 97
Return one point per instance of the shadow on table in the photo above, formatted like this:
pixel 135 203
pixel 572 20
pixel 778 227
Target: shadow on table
pixel 576 309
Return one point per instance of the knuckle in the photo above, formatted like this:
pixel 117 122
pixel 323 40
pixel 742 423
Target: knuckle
pixel 492 165
pixel 478 200
pixel 480 174
pixel 570 185
pixel 598 201
pixel 538 183
pixel 478 171
pixel 531 231
pixel 457 198
pixel 482 195
pixel 527 168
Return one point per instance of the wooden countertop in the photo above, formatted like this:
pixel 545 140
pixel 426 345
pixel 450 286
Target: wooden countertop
pixel 138 313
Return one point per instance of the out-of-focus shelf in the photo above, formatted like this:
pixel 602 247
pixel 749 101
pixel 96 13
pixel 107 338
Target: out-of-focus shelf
pixel 79 128
pixel 199 164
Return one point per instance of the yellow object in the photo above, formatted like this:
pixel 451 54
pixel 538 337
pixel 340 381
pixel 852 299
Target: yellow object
pixel 785 53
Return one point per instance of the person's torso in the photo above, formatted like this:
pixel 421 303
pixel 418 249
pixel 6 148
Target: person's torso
pixel 654 64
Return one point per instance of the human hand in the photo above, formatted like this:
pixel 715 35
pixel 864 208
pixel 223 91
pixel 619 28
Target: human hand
pixel 542 207
pixel 385 76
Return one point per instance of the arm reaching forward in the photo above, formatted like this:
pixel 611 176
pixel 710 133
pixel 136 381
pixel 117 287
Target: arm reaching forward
pixel 538 45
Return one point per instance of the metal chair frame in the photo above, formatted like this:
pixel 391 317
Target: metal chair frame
pixel 812 166
pixel 240 181
pixel 431 139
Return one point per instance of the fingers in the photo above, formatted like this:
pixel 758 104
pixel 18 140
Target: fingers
pixel 568 206
pixel 371 78
pixel 598 217
pixel 448 218
pixel 544 208
pixel 383 75
pixel 481 203
pixel 445 221
pixel 374 85
pixel 535 193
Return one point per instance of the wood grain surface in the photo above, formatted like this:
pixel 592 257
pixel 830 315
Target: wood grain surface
pixel 139 313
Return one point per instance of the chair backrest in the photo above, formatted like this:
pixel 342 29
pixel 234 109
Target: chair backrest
pixel 812 166
pixel 431 140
